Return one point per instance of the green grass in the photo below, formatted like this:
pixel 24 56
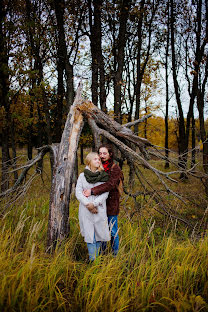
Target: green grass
pixel 159 266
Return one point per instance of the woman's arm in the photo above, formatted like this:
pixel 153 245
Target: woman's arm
pixel 78 192
pixel 82 199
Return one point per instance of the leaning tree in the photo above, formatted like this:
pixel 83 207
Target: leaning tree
pixel 136 150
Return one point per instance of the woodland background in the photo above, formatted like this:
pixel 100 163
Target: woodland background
pixel 134 58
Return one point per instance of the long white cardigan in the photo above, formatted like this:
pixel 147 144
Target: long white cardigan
pixel 92 224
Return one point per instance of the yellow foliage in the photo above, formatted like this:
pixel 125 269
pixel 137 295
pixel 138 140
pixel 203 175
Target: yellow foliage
pixel 155 131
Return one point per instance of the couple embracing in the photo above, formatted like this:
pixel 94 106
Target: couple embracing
pixel 97 192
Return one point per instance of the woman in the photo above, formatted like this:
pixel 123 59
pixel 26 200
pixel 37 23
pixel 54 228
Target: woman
pixel 92 210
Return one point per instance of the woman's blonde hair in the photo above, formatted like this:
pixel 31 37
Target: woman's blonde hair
pixel 89 158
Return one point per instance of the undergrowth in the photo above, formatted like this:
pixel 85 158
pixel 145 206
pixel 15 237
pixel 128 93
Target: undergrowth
pixel 159 267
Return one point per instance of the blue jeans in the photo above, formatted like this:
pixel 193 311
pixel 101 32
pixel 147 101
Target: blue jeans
pixel 93 249
pixel 113 224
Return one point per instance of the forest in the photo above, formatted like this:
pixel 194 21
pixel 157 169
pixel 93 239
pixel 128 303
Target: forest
pixel 73 74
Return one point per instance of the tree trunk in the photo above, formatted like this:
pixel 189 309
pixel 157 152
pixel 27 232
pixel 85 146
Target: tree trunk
pixel 193 138
pixel 121 42
pixel 14 154
pixel 82 154
pixel 205 164
pixel 70 84
pixel 182 131
pixel 93 45
pixel 96 136
pixel 97 16
pixel 59 7
pixel 203 133
pixel 4 100
pixel 142 61
pixel 167 91
pixel 138 64
pixel 58 226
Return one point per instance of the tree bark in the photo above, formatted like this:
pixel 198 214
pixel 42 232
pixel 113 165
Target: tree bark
pixel 93 45
pixel 193 139
pixel 138 64
pixel 4 100
pixel 63 64
pixel 58 226
pixel 182 131
pixel 167 90
pixel 14 153
pixel 91 111
pixel 142 61
pixel 82 154
pixel 121 42
pixel 97 16
pixel 203 133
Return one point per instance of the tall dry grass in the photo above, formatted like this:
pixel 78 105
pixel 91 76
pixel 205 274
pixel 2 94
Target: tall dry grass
pixel 157 269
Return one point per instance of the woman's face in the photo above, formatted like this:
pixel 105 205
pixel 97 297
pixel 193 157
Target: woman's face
pixel 95 162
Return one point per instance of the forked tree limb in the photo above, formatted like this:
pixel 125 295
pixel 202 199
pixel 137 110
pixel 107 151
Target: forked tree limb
pixel 42 151
pixel 96 135
pixel 117 130
pixel 135 122
pixel 125 149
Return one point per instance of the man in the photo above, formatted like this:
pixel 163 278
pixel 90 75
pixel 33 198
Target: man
pixel 115 174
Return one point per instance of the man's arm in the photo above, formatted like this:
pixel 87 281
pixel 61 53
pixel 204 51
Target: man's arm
pixel 112 182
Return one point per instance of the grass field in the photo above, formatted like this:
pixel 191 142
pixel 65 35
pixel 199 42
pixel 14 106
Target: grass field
pixel 161 266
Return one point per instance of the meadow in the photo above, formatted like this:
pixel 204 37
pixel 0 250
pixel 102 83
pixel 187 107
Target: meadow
pixel 161 265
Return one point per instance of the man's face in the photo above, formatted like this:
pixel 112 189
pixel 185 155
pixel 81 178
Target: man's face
pixel 104 154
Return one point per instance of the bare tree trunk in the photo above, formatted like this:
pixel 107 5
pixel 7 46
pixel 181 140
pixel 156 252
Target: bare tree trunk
pixel 121 42
pixel 82 154
pixel 29 134
pixel 96 136
pixel 139 76
pixel 193 138
pixel 182 131
pixel 141 60
pixel 70 83
pixel 205 164
pixel 203 133
pixel 167 90
pixel 14 154
pixel 97 16
pixel 58 226
pixel 93 44
pixel 59 7
pixel 4 99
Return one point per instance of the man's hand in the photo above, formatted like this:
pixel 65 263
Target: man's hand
pixel 92 208
pixel 87 193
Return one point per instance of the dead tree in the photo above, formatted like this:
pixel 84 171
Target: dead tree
pixel 58 225
pixel 135 149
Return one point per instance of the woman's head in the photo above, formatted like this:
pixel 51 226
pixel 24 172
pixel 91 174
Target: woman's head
pixel 93 161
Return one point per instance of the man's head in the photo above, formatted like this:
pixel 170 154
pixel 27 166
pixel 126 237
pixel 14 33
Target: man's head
pixel 105 152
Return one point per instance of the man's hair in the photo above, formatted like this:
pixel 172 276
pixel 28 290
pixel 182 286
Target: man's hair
pixel 109 147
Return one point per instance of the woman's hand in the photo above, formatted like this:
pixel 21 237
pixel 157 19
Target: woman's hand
pixel 92 208
pixel 87 193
